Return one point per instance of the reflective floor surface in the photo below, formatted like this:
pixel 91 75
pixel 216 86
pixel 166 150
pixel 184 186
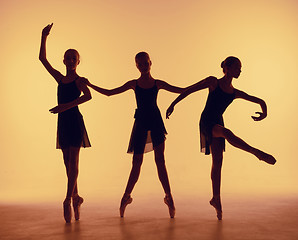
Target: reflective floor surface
pixel 254 219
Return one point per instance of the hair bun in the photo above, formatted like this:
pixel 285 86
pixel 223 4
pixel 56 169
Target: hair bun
pixel 222 64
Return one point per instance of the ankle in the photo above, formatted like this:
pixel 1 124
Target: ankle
pixel 126 195
pixel 216 197
pixel 67 200
pixel 169 195
pixel 75 195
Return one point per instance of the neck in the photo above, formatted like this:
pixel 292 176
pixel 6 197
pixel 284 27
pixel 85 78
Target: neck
pixel 227 79
pixel 145 76
pixel 71 72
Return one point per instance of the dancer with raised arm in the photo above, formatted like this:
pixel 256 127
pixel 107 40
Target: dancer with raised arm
pixel 212 130
pixel 148 132
pixel 71 134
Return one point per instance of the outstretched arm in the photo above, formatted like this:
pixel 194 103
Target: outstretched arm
pixel 42 54
pixel 84 98
pixel 109 92
pixel 261 102
pixel 205 83
pixel 164 85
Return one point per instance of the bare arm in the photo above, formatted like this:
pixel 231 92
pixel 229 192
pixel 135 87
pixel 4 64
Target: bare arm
pixel 164 85
pixel 261 102
pixel 42 54
pixel 109 92
pixel 205 83
pixel 83 98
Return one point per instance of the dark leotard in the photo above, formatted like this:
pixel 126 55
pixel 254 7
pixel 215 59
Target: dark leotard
pixel 71 127
pixel 216 104
pixel 148 130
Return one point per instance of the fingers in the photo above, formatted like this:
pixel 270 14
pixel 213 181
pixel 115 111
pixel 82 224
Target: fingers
pixel 47 29
pixel 168 113
pixel 54 110
pixel 50 27
pixel 260 117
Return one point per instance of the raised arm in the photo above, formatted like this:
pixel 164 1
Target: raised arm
pixel 86 96
pixel 109 92
pixel 43 56
pixel 205 83
pixel 261 102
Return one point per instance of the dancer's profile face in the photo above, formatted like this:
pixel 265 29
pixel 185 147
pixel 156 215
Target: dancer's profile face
pixel 235 69
pixel 143 64
pixel 71 60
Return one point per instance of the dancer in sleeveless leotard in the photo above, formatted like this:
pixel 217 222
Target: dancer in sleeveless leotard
pixel 71 134
pixel 216 104
pixel 71 127
pixel 148 131
pixel 212 130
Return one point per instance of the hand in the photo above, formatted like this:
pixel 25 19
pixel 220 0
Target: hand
pixel 47 29
pixel 169 111
pixel 59 109
pixel 260 117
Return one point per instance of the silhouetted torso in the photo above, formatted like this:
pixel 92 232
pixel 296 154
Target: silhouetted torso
pixel 68 92
pixel 71 127
pixel 147 118
pixel 216 104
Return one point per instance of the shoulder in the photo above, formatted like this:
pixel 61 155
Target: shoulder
pixel 81 83
pixel 81 79
pixel 240 94
pixel 160 83
pixel 211 82
pixel 131 84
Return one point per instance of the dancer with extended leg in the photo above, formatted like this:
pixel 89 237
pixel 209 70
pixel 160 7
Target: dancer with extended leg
pixel 212 130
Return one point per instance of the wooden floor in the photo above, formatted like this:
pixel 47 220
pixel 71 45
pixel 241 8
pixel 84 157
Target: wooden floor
pixel 254 219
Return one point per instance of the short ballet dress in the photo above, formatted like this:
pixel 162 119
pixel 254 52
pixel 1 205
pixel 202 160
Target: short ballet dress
pixel 71 128
pixel 216 104
pixel 148 130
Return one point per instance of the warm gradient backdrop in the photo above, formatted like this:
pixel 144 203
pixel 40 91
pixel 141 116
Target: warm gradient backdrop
pixel 187 40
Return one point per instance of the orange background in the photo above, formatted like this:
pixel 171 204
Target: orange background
pixel 187 40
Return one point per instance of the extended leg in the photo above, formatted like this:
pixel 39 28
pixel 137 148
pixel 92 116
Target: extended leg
pixel 161 168
pixel 220 131
pixel 132 180
pixel 163 177
pixel 134 173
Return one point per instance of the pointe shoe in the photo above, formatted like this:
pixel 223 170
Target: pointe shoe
pixel 76 203
pixel 265 157
pixel 67 210
pixel 169 201
pixel 217 205
pixel 124 202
